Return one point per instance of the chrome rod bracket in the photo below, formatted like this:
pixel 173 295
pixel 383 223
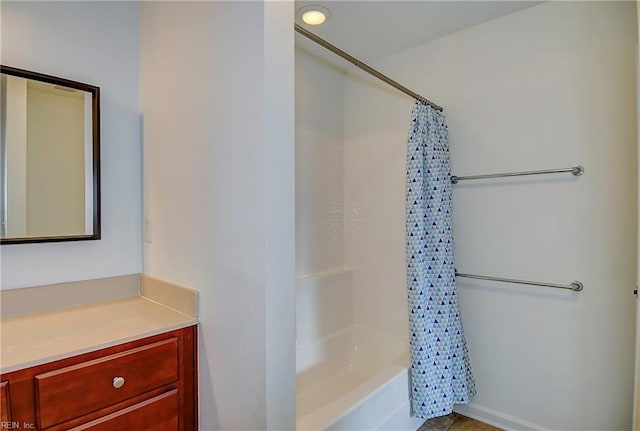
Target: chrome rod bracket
pixel 577 170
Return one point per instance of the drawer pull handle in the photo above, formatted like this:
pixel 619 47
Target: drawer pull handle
pixel 118 382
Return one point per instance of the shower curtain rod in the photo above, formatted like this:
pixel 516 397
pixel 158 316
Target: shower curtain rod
pixel 576 286
pixel 370 70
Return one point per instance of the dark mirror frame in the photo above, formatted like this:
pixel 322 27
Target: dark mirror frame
pixel 95 93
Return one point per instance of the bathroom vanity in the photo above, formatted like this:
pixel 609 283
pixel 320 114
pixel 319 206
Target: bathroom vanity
pixel 120 364
pixel 111 354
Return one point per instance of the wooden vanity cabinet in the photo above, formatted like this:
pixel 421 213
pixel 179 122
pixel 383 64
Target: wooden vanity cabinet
pixel 144 385
pixel 5 409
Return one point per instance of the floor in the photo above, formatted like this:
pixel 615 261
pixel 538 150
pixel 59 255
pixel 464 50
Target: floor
pixel 455 422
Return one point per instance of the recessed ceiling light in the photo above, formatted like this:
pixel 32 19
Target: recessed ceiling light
pixel 314 17
pixel 314 14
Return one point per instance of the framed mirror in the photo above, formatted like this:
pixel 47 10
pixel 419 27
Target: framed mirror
pixel 49 158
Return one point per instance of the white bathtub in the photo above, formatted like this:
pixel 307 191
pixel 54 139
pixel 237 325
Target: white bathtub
pixel 354 379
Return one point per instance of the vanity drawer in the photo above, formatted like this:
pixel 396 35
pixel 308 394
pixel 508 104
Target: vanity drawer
pixel 74 391
pixel 156 414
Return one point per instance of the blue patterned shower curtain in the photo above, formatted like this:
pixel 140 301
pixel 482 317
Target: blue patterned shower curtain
pixel 440 369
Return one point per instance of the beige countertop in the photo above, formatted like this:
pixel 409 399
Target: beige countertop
pixel 38 338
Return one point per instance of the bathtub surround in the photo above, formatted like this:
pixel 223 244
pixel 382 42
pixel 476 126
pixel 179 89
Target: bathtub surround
pixel 320 200
pixel 324 304
pixel 440 368
pixel 349 376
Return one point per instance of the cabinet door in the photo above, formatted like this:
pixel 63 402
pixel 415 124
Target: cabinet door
pixel 5 405
pixel 159 413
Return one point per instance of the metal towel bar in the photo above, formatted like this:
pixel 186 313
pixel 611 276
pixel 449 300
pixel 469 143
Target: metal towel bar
pixel 576 286
pixel 575 170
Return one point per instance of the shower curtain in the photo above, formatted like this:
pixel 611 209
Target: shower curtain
pixel 440 370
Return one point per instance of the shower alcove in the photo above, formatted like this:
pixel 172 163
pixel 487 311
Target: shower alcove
pixel 516 98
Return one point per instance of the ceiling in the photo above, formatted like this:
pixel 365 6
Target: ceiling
pixel 370 30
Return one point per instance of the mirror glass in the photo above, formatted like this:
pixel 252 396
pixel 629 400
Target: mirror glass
pixel 49 158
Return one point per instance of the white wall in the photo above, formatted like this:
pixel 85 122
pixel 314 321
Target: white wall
pixel 324 289
pixel 319 163
pixel 218 109
pixel 279 177
pixel 96 43
pixel 546 87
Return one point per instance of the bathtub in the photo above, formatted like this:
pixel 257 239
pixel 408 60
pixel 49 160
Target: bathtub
pixel 353 379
